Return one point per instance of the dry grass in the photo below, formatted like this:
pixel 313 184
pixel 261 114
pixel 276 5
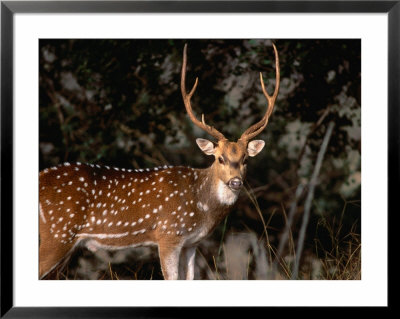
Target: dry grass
pixel 343 260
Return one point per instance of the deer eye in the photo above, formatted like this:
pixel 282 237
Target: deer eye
pixel 221 160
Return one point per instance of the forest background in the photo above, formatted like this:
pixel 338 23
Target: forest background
pixel 118 103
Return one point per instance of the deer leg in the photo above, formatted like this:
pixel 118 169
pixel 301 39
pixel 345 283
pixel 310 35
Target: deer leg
pixel 50 256
pixel 169 258
pixel 186 269
pixel 182 265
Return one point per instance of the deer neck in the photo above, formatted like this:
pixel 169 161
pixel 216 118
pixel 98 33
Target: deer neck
pixel 212 192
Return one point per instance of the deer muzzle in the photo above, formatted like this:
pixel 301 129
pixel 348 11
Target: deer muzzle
pixel 235 183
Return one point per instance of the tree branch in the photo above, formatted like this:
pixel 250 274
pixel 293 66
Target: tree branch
pixel 310 196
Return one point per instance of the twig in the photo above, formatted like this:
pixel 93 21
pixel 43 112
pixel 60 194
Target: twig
pixel 313 129
pixel 310 195
pixel 222 240
pixel 285 236
pixel 52 94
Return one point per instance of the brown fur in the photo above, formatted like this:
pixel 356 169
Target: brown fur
pixel 118 208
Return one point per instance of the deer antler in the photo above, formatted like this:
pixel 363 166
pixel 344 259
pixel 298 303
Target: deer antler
pixel 186 99
pixel 256 129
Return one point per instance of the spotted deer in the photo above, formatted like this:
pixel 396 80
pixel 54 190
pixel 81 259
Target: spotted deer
pixel 171 207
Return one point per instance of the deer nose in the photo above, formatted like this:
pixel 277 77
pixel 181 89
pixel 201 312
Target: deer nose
pixel 235 183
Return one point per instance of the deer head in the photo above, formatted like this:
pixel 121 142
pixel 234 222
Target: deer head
pixel 230 157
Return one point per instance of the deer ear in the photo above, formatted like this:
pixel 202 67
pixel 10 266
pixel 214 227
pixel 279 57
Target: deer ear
pixel 206 146
pixel 255 147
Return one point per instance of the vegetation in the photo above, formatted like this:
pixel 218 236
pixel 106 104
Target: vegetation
pixel 118 102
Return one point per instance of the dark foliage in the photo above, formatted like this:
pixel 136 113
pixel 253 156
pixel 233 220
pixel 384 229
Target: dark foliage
pixel 118 102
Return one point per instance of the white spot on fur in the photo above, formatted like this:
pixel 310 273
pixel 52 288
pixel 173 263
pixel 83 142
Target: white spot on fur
pixel 202 207
pixel 103 235
pixel 42 214
pixel 141 231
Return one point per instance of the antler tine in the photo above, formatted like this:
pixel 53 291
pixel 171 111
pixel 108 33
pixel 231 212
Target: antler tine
pixel 186 99
pixel 257 128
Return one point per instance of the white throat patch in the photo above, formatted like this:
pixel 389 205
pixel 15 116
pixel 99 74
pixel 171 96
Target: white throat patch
pixel 225 195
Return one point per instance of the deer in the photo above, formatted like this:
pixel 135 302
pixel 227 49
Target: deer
pixel 171 207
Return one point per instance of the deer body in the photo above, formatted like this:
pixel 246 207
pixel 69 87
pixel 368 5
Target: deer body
pixel 102 206
pixel 170 207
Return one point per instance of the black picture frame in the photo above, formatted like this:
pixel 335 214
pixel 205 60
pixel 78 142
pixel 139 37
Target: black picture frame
pixel 10 8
